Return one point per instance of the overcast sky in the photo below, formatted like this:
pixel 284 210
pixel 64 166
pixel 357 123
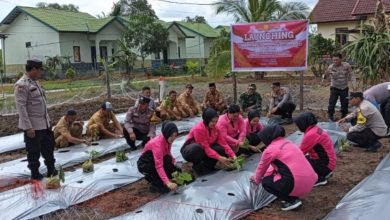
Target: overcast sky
pixel 165 11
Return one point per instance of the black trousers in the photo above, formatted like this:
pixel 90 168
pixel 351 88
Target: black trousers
pixel 202 164
pixel 286 110
pixel 364 139
pixel 42 144
pixel 146 166
pixel 319 167
pixel 138 136
pixel 280 188
pixel 334 95
pixel 385 111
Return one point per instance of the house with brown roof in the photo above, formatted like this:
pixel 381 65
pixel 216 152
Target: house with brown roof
pixel 339 19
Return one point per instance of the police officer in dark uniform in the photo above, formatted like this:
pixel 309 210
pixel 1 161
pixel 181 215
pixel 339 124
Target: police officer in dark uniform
pixel 34 120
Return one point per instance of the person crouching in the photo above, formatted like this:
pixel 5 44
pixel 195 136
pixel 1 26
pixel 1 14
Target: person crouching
pixel 283 170
pixel 205 146
pixel 156 161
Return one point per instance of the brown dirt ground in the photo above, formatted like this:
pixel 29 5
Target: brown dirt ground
pixel 352 166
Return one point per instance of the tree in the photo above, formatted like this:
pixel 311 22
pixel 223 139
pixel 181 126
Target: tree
pixel 66 7
pixel 196 19
pixel 146 36
pixel 319 47
pixel 371 51
pixel 132 7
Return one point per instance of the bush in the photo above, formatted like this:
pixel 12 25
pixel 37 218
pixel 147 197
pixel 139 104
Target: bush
pixel 70 73
pixel 192 67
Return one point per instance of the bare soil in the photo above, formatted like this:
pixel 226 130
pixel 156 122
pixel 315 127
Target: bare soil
pixel 352 166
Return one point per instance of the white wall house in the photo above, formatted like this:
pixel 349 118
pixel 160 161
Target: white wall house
pixel 36 33
pixel 339 19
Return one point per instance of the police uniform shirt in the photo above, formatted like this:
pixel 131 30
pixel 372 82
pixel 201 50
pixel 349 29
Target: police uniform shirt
pixel 31 104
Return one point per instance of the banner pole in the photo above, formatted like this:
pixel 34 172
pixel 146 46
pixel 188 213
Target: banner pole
pixel 301 90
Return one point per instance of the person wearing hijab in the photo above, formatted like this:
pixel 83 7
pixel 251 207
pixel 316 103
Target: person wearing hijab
pixel 318 147
pixel 232 127
pixel 283 170
pixel 156 161
pixel 253 126
pixel 205 146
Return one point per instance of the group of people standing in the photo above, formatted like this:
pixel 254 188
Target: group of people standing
pixel 286 170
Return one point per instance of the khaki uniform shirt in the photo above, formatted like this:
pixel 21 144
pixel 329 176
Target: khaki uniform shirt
pixel 340 75
pixel 213 99
pixel 168 104
pixel 31 104
pixel 187 101
pixel 140 121
pixel 98 118
pixel 62 128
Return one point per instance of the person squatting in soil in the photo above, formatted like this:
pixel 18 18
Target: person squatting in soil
pixel 253 126
pixel 370 125
pixel 138 125
pixel 231 125
pixel 169 109
pixel 318 147
pixel 283 170
pixel 156 161
pixel 205 145
pixel 250 100
pixel 187 103
pixel 340 73
pixel 68 131
pixel 379 95
pixel 34 120
pixel 281 103
pixel 104 124
pixel 214 99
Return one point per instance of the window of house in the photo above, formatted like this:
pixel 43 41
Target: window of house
pixel 178 52
pixel 76 54
pixel 341 36
pixel 157 56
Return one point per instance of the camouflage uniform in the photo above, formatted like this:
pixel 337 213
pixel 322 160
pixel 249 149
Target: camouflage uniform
pixel 250 101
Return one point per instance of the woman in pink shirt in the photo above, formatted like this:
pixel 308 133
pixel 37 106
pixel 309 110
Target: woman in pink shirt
pixel 205 146
pixel 318 147
pixel 283 170
pixel 253 126
pixel 157 162
pixel 232 127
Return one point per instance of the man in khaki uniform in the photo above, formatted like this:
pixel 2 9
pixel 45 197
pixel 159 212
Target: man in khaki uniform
pixel 169 109
pixel 34 120
pixel 103 124
pixel 214 99
pixel 68 131
pixel 187 103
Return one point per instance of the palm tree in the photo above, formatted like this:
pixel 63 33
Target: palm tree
pixel 262 10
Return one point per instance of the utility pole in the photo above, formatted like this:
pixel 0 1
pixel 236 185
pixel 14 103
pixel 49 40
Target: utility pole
pixel 200 52
pixel 3 74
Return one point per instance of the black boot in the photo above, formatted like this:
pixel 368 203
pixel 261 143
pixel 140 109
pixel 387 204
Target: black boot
pixel 51 171
pixel 35 175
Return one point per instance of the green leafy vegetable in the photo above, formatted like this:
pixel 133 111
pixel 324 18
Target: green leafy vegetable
pixel 237 163
pixel 344 145
pixel 181 178
pixel 121 156
pixel 246 144
pixel 53 182
pixel 87 166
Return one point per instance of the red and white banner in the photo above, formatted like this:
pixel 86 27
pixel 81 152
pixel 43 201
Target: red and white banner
pixel 270 46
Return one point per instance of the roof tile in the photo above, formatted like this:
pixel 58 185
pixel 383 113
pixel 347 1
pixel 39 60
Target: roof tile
pixel 364 7
pixel 333 10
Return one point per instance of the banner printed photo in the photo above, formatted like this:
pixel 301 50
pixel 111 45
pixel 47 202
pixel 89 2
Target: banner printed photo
pixel 270 46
